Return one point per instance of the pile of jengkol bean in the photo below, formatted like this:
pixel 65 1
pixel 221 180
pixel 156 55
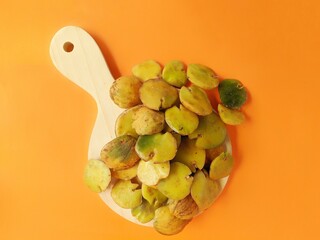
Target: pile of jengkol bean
pixel 170 151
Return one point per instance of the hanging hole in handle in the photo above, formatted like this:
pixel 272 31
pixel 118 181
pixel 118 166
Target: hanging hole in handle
pixel 68 47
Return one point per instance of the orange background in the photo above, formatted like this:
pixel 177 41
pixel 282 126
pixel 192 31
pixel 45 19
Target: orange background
pixel 272 46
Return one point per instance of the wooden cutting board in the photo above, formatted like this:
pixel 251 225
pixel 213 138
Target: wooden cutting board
pixel 77 56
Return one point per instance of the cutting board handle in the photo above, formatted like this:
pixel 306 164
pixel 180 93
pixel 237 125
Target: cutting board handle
pixel 78 57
